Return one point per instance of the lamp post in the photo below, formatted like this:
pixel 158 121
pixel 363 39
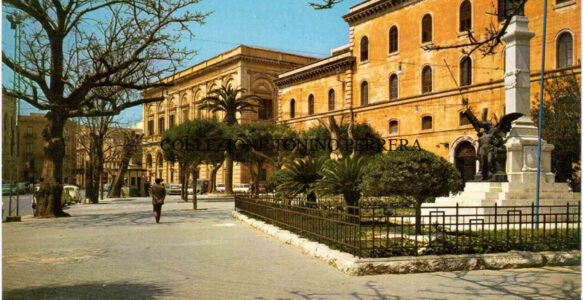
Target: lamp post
pixel 15 21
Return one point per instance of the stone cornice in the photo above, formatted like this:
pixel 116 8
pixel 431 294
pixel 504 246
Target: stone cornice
pixel 376 8
pixel 332 67
pixel 231 60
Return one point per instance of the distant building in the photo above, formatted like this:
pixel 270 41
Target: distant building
pixel 112 147
pixel 8 138
pixel 32 148
pixel 251 68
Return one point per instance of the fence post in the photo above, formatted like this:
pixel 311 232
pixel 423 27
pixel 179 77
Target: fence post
pixel 532 229
pixel 567 229
pixel 457 210
pixel 359 231
pixel 495 224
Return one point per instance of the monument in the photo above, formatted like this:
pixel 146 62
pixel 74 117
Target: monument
pixel 517 187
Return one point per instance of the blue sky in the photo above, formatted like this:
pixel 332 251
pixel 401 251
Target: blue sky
pixel 289 25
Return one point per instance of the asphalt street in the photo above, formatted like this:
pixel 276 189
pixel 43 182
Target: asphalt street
pixel 115 250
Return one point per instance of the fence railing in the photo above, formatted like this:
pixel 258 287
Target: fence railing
pixel 376 230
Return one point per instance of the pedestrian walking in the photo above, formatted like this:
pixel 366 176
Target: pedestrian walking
pixel 158 193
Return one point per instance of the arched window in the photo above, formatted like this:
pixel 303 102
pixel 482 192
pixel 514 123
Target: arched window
pixel 364 49
pixel 364 93
pixel 331 100
pixel 393 39
pixel 465 16
pixel 394 127
pixel 393 87
pixel 465 71
pixel 427 80
pixel 426 29
pixel 464 120
pixel 564 50
pixel 311 104
pixel 292 109
pixel 426 123
pixel 266 109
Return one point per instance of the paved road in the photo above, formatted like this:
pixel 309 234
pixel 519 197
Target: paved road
pixel 115 250
pixel 25 204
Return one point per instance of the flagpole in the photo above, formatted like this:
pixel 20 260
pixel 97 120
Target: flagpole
pixel 540 110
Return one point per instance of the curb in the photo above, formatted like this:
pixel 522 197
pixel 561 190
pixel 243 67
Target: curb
pixel 352 265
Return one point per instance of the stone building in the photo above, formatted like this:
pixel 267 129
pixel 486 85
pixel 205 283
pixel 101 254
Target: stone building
pixel 251 68
pixel 8 138
pixel 32 148
pixel 387 80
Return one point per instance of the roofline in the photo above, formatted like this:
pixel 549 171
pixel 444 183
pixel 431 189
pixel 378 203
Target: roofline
pixel 176 75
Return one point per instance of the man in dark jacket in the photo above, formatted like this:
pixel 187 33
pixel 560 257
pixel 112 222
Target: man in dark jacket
pixel 158 193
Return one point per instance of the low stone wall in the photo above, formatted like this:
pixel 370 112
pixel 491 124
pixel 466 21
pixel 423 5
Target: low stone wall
pixel 353 265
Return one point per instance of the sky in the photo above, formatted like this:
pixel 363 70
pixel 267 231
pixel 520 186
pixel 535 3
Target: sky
pixel 288 25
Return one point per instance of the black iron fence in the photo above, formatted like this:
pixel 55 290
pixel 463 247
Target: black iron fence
pixel 380 230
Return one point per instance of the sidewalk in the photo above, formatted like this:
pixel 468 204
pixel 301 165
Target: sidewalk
pixel 115 250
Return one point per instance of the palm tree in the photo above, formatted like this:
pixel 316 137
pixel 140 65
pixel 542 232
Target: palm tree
pixel 343 177
pixel 301 176
pixel 230 101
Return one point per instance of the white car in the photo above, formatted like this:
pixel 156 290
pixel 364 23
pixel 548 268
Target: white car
pixel 220 187
pixel 173 189
pixel 74 194
pixel 71 194
pixel 242 188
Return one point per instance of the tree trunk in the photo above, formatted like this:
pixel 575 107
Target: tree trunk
pixel 184 183
pixel 351 199
pixel 185 178
pixel 213 179
pixel 131 142
pixel 51 188
pixel 418 216
pixel 229 173
pixel 194 181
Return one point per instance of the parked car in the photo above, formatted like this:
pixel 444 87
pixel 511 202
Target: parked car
pixel 220 187
pixel 6 187
pixel 173 189
pixel 201 187
pixel 242 188
pixel 73 192
pixel 22 188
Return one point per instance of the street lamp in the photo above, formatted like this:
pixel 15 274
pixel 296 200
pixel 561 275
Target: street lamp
pixel 15 21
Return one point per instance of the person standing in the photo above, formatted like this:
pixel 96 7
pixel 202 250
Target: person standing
pixel 158 193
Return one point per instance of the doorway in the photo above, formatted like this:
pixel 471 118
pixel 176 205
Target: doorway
pixel 465 160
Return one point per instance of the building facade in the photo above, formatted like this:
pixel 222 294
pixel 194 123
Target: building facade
pixel 251 68
pixel 8 138
pixel 386 79
pixel 32 148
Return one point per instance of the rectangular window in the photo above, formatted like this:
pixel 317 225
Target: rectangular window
pixel 29 130
pixel 151 127
pixel 185 115
pixel 171 121
pixel 161 129
pixel 29 148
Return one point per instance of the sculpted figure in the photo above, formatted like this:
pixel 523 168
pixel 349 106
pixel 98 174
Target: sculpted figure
pixel 491 140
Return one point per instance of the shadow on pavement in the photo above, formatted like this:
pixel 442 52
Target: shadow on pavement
pixel 121 290
pixel 519 284
pixel 141 217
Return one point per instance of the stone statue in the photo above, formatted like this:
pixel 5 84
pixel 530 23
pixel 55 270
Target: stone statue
pixel 492 149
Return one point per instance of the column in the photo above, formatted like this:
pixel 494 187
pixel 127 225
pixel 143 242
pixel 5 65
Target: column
pixel 522 142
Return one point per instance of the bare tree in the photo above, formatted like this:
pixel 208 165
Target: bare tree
pixel 132 141
pixel 71 49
